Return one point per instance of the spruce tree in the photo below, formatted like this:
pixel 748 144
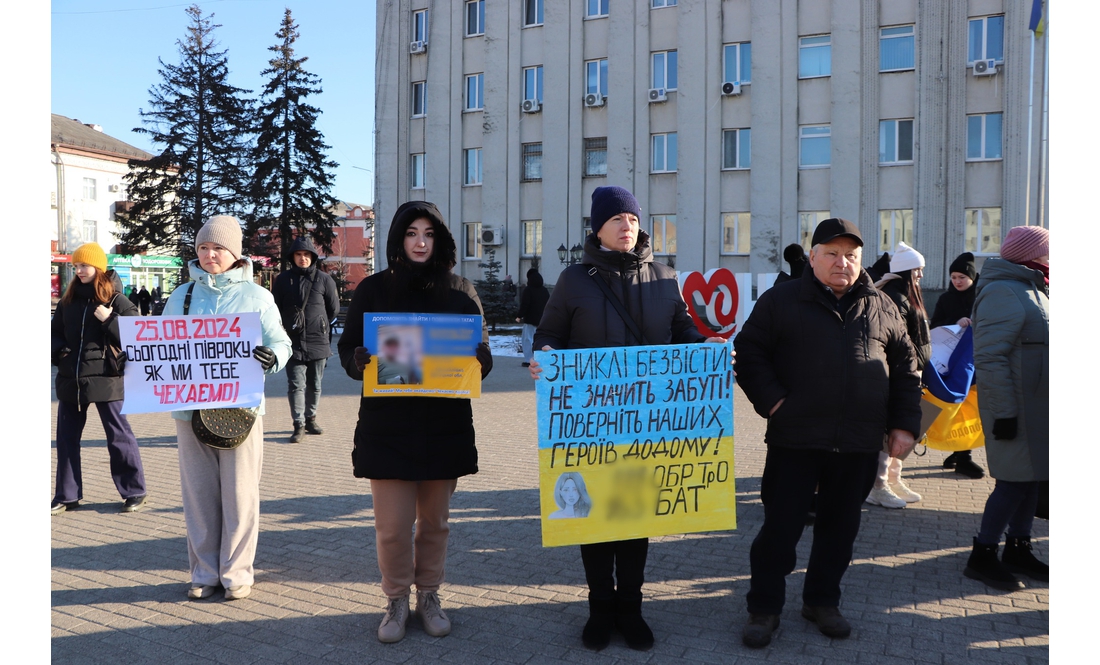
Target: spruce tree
pixel 498 303
pixel 292 181
pixel 201 126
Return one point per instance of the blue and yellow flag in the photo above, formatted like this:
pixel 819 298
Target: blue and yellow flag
pixel 1037 23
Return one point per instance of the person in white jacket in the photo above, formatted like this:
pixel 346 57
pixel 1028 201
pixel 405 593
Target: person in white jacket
pixel 221 488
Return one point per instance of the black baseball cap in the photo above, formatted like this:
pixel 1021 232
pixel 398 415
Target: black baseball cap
pixel 833 228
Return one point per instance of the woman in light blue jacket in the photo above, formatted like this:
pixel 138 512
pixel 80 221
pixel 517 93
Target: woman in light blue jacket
pixel 221 488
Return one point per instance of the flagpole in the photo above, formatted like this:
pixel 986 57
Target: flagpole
pixel 1030 131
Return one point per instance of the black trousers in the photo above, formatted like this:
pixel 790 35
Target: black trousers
pixel 620 559
pixel 843 481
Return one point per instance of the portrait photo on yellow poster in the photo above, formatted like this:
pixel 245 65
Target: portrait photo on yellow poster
pixel 635 442
pixel 428 355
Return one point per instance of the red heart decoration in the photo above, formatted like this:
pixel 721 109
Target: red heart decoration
pixel 711 301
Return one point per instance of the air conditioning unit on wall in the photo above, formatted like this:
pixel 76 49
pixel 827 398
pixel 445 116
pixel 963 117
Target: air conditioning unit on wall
pixel 657 95
pixel 532 106
pixel 731 88
pixel 593 99
pixel 418 47
pixel 492 235
pixel 985 67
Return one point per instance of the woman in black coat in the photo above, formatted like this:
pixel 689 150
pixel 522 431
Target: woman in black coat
pixel 83 330
pixel 531 305
pixel 413 449
pixel 954 308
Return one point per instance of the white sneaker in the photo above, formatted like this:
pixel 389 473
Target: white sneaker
pixel 903 492
pixel 392 628
pixel 431 614
pixel 883 496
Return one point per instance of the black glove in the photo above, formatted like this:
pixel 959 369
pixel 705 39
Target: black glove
pixel 265 355
pixel 361 358
pixel 1004 429
pixel 485 357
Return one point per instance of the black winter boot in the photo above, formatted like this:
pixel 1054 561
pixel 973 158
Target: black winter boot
pixel 601 619
pixel 629 622
pixel 312 427
pixel 951 461
pixel 984 566
pixel 1018 558
pixel 299 432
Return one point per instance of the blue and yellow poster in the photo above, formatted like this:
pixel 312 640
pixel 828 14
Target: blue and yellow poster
pixel 635 442
pixel 427 355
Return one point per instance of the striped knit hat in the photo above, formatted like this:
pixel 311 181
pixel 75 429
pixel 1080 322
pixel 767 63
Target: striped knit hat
pixel 1025 243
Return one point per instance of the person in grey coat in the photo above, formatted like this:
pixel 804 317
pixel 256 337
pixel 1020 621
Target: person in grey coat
pixel 307 299
pixel 1012 363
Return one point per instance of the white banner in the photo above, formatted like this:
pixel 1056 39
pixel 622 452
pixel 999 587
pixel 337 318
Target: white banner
pixel 177 363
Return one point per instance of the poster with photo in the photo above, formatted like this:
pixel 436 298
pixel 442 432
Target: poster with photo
pixel 428 355
pixel 635 442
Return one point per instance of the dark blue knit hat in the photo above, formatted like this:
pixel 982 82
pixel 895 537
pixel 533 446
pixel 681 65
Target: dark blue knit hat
pixel 610 201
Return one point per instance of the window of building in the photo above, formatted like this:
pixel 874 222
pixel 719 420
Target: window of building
pixel 420 26
pixel 895 141
pixel 596 8
pixel 586 228
pixel 663 150
pixel 664 70
pixel 532 237
pixel 815 56
pixel 814 146
pixel 595 157
pixel 982 231
pixel 896 48
pixel 662 234
pixel 532 162
pixel 471 171
pixel 419 99
pixel 595 74
pixel 416 170
pixel 532 12
pixel 471 240
pixel 736 144
pixel 987 39
pixel 737 63
pixel 475 92
pixel 532 83
pixel 89 189
pixel 983 136
pixel 894 226
pixel 90 230
pixel 657 4
pixel 736 232
pixel 807 222
pixel 475 18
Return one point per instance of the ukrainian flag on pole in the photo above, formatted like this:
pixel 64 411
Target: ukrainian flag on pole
pixel 1037 23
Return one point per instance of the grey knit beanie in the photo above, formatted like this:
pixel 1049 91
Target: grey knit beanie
pixel 224 230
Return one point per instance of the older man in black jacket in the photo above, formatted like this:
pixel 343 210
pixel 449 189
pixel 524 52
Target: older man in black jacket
pixel 308 301
pixel 827 361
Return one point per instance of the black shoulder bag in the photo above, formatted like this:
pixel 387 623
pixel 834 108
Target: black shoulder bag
pixel 631 324
pixel 222 429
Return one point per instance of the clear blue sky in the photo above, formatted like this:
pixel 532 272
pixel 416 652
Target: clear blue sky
pixel 104 60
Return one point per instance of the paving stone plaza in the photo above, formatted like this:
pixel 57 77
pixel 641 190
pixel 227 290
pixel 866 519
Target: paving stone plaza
pixel 119 582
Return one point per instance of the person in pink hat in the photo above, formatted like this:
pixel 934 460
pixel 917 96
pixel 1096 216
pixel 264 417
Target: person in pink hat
pixel 1012 366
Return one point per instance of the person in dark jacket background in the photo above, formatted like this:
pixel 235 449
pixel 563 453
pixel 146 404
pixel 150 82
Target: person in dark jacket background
pixel 413 449
pixel 827 361
pixel 579 316
pixel 84 325
pixel 795 256
pixel 307 299
pixel 902 284
pixel 954 308
pixel 531 305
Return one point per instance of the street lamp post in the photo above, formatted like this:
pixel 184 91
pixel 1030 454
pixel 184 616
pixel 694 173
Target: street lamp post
pixel 570 256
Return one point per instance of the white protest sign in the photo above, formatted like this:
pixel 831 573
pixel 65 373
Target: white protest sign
pixel 944 340
pixel 177 363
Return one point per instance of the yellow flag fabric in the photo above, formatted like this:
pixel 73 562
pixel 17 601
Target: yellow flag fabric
pixel 958 426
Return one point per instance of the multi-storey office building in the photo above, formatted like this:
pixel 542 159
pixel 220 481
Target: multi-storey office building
pixel 738 124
